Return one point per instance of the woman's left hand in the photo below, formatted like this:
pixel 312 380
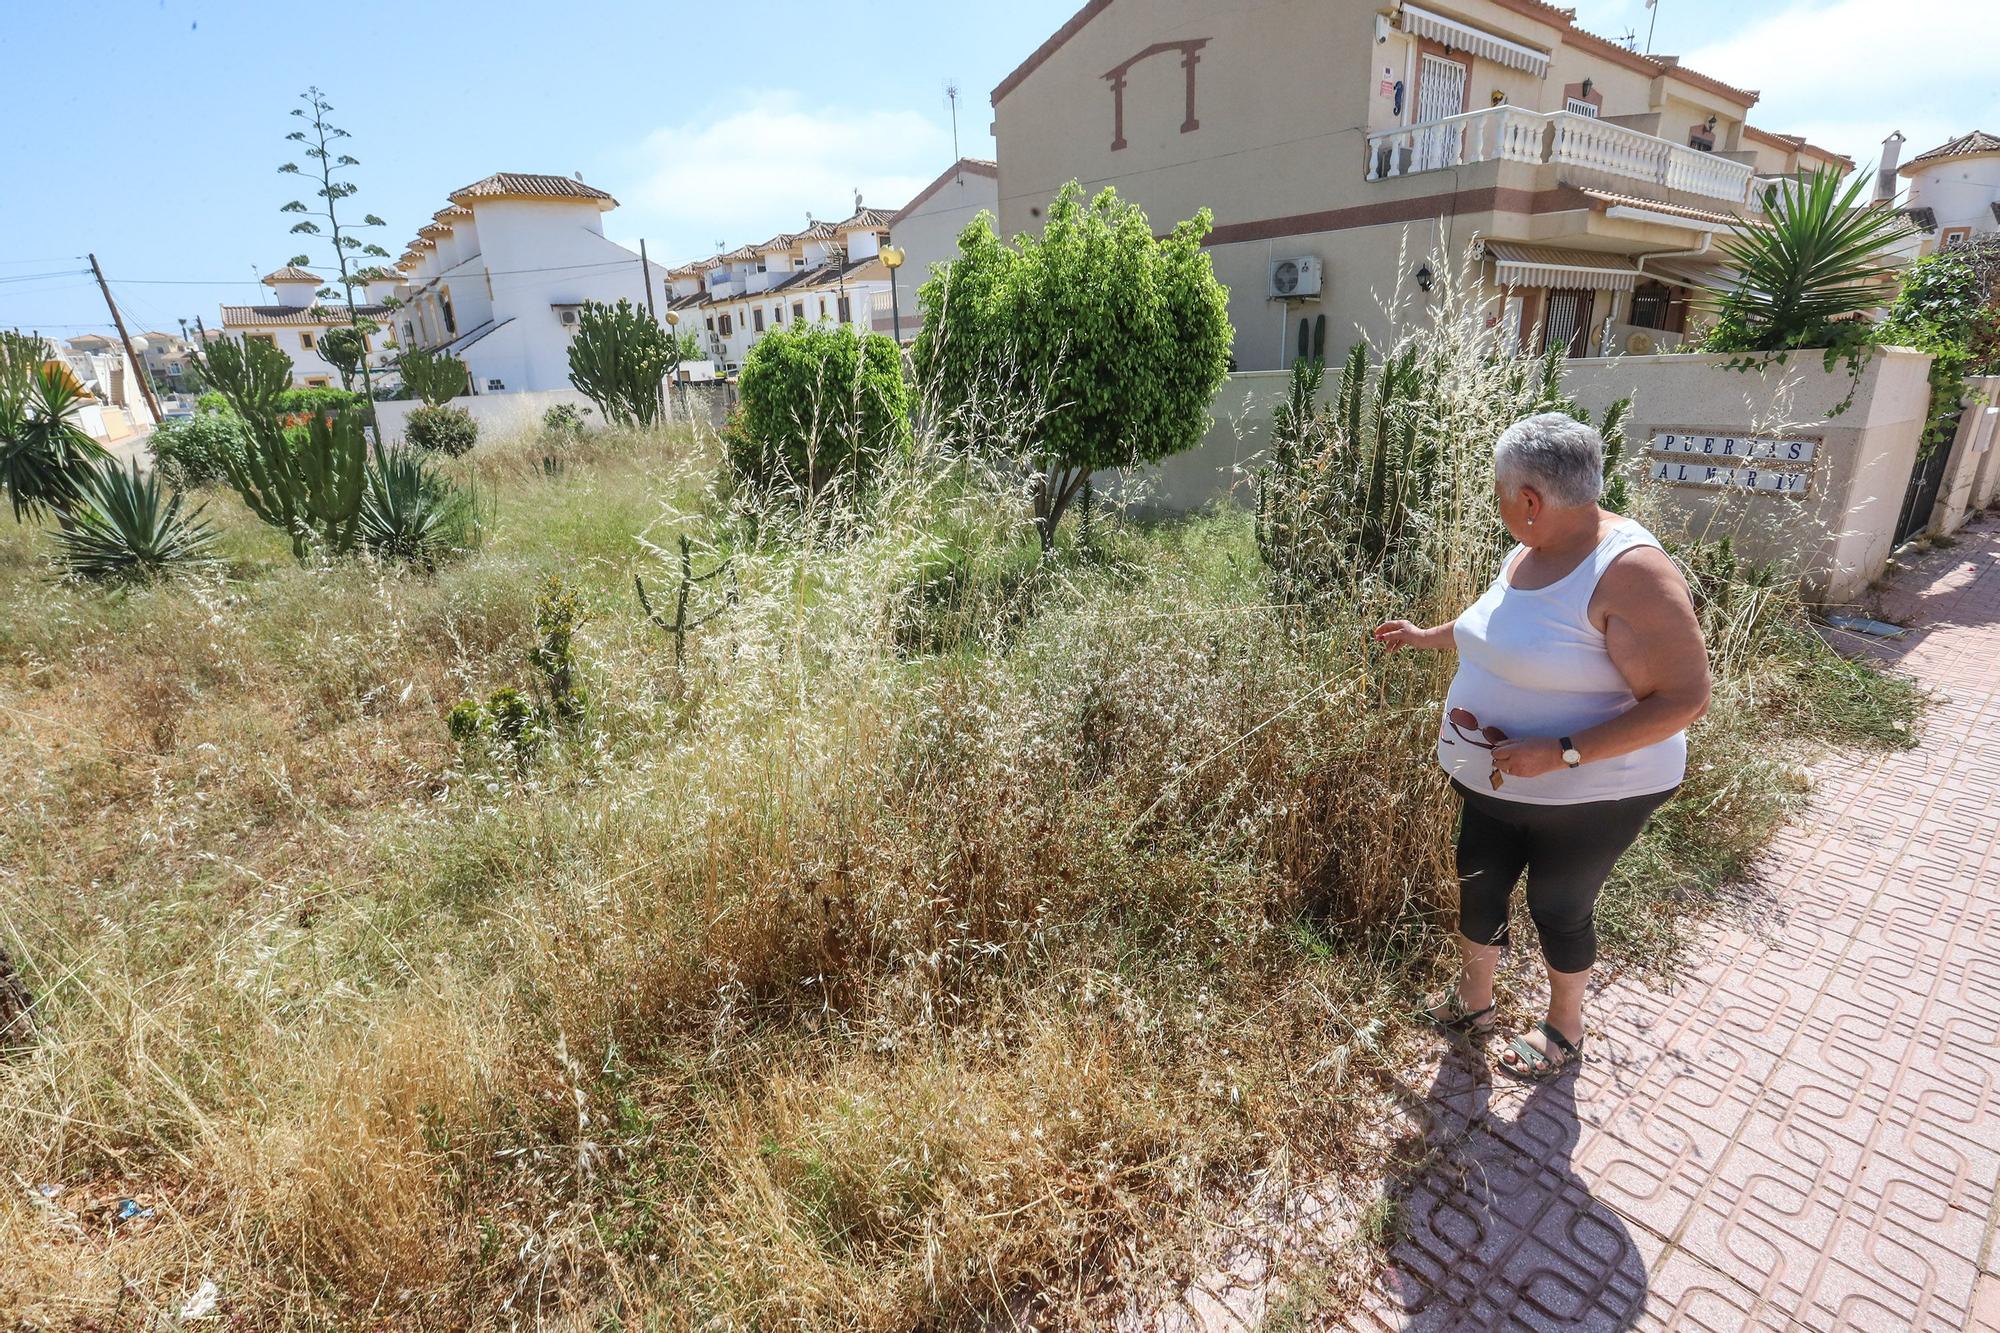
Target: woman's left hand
pixel 1528 758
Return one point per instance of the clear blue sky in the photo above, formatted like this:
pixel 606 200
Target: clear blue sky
pixel 150 131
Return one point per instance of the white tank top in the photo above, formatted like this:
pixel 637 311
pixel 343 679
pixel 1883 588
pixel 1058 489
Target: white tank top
pixel 1531 663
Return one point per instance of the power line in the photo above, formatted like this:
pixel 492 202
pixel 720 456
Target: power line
pixel 494 273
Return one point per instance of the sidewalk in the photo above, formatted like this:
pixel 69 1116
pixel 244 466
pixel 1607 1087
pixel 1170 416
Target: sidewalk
pixel 1805 1133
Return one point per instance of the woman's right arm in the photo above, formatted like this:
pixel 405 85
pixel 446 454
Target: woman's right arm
pixel 1394 634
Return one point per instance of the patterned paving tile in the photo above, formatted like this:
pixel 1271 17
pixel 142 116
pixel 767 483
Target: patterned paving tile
pixel 1805 1134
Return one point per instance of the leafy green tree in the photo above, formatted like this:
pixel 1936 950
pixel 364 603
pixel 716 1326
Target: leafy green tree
pixel 620 358
pixel 1118 337
pixel 331 168
pixel 819 403
pixel 434 377
pixel 44 455
pixel 346 350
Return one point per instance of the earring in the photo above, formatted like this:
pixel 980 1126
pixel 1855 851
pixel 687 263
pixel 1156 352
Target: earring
pixel 1531 522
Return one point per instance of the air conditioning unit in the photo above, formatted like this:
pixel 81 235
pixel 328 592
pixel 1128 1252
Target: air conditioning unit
pixel 569 316
pixel 1295 277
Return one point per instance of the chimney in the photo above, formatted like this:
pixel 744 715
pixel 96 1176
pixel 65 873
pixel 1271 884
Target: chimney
pixel 1885 175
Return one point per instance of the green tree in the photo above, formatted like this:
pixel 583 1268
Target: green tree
pixel 819 403
pixel 331 168
pixel 620 358
pixel 1118 338
pixel 1947 309
pixel 434 377
pixel 346 350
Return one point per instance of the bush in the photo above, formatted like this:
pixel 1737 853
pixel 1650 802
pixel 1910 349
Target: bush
pixel 818 404
pixel 123 526
pixel 563 422
pixel 442 430
pixel 313 399
pixel 194 451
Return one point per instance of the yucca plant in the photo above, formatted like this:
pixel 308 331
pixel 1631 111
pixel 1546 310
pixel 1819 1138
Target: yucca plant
pixel 123 524
pixel 412 512
pixel 1815 262
pixel 43 453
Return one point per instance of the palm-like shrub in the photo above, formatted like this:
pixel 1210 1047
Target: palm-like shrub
pixel 620 358
pixel 434 377
pixel 413 513
pixel 122 525
pixel 1815 263
pixel 44 456
pixel 442 430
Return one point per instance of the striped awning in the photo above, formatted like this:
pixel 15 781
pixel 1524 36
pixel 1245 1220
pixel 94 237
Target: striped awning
pixel 1516 265
pixel 1461 36
pixel 1707 277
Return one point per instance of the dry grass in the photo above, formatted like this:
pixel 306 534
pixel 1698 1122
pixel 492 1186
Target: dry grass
pixel 955 930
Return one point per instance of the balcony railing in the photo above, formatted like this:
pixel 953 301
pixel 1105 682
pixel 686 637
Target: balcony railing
pixel 1510 134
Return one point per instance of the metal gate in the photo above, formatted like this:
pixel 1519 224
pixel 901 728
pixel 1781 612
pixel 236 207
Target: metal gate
pixel 1440 93
pixel 1925 480
pixel 1566 324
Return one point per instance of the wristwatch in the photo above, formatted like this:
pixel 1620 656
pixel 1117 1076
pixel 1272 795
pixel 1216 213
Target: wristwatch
pixel 1570 756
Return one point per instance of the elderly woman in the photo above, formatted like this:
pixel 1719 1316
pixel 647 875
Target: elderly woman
pixel 1564 729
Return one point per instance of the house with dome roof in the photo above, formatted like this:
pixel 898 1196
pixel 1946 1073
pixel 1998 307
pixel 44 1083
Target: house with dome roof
pixel 295 322
pixel 1953 190
pixel 498 276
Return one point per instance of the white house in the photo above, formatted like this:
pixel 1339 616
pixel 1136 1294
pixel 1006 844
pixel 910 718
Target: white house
pixel 114 407
pixel 498 276
pixel 1954 190
pixel 298 320
pixel 830 273
pixel 926 229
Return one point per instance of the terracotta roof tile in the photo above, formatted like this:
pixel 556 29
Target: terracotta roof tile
pixel 291 273
pixel 258 315
pixel 1965 145
pixel 525 185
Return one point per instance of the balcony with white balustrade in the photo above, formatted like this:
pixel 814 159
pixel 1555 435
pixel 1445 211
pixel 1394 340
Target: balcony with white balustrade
pixel 1585 150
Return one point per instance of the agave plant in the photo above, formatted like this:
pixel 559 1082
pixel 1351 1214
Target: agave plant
pixel 43 454
pixel 1817 260
pixel 125 525
pixel 412 512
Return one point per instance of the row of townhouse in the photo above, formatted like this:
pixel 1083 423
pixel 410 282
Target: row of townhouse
pixel 830 273
pixel 1347 147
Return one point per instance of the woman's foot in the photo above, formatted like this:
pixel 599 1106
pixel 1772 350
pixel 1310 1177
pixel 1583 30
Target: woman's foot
pixel 1453 1014
pixel 1540 1055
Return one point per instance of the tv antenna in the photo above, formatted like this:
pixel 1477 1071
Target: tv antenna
pixel 951 96
pixel 1631 39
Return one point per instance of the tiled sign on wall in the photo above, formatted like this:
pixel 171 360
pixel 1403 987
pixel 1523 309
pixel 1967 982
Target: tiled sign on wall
pixel 1776 463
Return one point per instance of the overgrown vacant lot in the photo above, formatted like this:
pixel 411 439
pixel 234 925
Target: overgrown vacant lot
pixel 952 930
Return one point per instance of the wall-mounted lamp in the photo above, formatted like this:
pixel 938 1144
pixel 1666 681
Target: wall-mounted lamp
pixel 1711 124
pixel 1586 90
pixel 1425 277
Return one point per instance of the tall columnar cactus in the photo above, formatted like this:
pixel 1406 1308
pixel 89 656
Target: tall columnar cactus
pixel 312 489
pixel 620 359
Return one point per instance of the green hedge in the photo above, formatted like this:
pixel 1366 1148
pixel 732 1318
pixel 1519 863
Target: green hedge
pixel 193 451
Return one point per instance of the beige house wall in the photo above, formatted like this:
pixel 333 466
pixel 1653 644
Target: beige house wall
pixel 1970 467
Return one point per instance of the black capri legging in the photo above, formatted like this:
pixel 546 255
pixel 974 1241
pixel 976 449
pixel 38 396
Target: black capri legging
pixel 1567 850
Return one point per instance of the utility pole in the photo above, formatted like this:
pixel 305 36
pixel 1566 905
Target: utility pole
pixel 131 357
pixel 646 267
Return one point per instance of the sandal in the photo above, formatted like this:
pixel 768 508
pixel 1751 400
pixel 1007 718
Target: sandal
pixel 1450 1013
pixel 1533 1066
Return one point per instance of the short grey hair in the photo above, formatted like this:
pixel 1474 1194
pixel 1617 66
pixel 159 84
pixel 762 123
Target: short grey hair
pixel 1556 454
